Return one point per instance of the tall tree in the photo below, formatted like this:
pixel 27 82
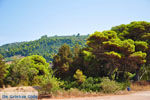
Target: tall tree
pixel 139 31
pixel 62 61
pixel 116 53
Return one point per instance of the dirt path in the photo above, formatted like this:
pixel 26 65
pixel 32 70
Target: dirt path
pixel 144 95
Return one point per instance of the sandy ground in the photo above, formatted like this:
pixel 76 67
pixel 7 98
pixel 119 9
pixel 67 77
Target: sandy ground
pixel 144 95
pixel 20 89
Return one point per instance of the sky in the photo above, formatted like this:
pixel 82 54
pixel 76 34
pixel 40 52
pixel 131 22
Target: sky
pixel 25 20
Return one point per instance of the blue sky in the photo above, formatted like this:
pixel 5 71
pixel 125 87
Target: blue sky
pixel 24 20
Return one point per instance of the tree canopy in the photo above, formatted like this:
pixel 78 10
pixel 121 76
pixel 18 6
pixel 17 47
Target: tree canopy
pixel 28 71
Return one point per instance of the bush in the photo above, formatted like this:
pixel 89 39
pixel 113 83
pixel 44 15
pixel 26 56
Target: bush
pixel 91 84
pixel 109 86
pixel 124 85
pixel 68 85
pixel 49 85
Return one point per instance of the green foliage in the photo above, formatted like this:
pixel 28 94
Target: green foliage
pixel 28 71
pixel 121 29
pixel 62 61
pixel 135 30
pixel 69 84
pixel 113 54
pixel 79 76
pixel 139 54
pixel 139 31
pixel 49 84
pixel 139 57
pixel 98 38
pixel 109 86
pixel 123 47
pixel 87 55
pixel 3 71
pixel 141 45
pixel 129 75
pixel 91 84
pixel 126 46
pixel 119 54
pixel 123 85
pixel 45 46
pixel 146 36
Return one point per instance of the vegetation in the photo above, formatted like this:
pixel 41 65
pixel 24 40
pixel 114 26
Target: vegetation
pixel 28 71
pixel 106 63
pixel 45 46
pixel 49 85
pixel 109 86
pixel 62 61
pixel 3 71
pixel 79 76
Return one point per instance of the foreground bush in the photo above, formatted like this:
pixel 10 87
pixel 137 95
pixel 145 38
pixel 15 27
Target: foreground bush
pixel 109 86
pixel 68 85
pixel 49 85
pixel 91 84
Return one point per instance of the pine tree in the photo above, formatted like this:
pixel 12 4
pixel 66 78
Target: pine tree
pixel 62 61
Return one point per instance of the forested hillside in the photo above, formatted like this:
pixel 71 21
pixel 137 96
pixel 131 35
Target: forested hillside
pixel 45 46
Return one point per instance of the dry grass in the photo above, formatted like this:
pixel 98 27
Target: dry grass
pixel 140 86
pixel 75 93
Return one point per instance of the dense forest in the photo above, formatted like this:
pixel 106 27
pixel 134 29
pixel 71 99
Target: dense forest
pixel 104 61
pixel 45 46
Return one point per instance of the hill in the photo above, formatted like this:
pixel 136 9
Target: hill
pixel 45 46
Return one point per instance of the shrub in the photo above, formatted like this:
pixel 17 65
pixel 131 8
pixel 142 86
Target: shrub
pixel 91 84
pixel 49 85
pixel 68 85
pixel 109 86
pixel 124 85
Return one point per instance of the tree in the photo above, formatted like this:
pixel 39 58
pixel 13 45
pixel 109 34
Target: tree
pixel 62 61
pixel 28 71
pixel 118 54
pixel 139 31
pixel 3 70
pixel 76 50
